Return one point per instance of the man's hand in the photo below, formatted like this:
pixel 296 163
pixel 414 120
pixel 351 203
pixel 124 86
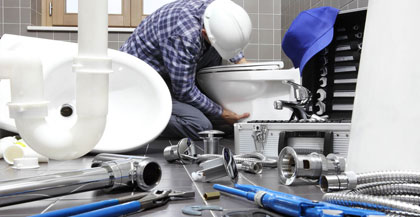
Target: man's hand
pixel 231 117
pixel 242 61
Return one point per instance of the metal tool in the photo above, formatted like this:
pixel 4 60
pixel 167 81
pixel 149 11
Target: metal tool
pixel 211 143
pixel 185 147
pixel 323 81
pixel 292 205
pixel 196 209
pixel 148 201
pixel 322 94
pixel 340 69
pixel 143 173
pixel 250 213
pixel 352 45
pixel 218 168
pixel 324 71
pixel 259 135
pixel 250 167
pixel 94 206
pixel 312 166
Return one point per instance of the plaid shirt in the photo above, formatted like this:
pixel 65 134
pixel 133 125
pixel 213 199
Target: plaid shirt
pixel 170 41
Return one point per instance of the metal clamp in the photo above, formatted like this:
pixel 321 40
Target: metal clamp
pixel 259 134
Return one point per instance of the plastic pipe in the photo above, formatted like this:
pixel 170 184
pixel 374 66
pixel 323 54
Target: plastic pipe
pixel 5 142
pixel 20 150
pixel 92 68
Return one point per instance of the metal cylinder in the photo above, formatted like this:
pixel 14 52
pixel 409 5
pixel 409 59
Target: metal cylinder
pixel 53 185
pixel 185 147
pixel 251 167
pixel 311 166
pixel 142 173
pixel 218 168
pixel 211 143
pixel 104 157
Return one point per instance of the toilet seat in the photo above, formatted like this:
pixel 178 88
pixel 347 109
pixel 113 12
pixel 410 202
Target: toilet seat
pixel 276 65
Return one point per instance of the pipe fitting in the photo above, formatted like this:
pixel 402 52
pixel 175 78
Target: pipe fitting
pixel 338 182
pixel 142 173
pixel 312 166
pixel 218 168
pixel 211 143
pixel 181 151
pixel 251 167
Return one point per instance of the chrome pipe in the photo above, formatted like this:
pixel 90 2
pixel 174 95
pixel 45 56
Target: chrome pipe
pixel 311 166
pixel 142 173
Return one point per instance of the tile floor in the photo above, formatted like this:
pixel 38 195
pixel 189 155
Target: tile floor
pixel 175 176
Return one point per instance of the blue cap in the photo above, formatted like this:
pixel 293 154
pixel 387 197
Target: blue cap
pixel 310 32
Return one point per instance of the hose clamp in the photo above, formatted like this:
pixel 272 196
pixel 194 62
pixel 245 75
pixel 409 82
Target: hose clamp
pixel 258 198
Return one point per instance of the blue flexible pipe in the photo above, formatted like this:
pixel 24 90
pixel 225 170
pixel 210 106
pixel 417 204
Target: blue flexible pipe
pixel 79 209
pixel 114 211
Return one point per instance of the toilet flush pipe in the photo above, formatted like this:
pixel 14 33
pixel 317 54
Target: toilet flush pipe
pixel 92 68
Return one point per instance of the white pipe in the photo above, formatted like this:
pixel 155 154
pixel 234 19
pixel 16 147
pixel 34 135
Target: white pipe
pixel 92 68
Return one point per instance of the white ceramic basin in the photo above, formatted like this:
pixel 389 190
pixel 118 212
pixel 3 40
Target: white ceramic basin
pixel 139 100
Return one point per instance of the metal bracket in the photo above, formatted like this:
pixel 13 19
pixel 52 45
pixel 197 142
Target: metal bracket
pixel 259 134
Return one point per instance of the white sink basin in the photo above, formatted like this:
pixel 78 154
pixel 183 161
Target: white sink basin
pixel 139 100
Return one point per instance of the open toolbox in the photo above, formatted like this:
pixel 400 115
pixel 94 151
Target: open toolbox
pixel 331 76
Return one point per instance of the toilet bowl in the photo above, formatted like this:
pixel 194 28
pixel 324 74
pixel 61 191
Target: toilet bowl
pixel 251 87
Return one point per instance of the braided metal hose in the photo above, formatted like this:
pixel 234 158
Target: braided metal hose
pixel 386 176
pixel 371 202
pixel 350 180
pixel 395 192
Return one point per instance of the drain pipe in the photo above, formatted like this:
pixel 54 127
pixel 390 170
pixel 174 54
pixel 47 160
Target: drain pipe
pixel 124 172
pixel 92 67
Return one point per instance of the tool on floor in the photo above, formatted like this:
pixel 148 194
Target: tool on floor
pixel 185 147
pixel 218 168
pixel 211 195
pixel 211 143
pixel 312 166
pixel 292 205
pixel 250 213
pixel 196 209
pixel 125 205
pixel 143 173
pixel 250 167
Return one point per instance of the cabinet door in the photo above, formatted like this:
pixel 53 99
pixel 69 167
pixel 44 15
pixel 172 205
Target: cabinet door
pixel 65 13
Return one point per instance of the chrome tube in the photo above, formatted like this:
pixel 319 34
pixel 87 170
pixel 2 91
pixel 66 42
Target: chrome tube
pixel 142 173
pixel 292 165
pixel 104 157
pixel 47 186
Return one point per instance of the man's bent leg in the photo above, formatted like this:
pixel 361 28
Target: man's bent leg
pixel 186 121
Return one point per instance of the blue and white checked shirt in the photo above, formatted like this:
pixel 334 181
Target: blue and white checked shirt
pixel 170 40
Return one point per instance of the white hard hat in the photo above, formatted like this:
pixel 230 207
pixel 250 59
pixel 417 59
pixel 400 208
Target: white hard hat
pixel 228 27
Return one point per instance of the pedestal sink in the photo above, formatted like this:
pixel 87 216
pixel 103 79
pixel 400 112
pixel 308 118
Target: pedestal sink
pixel 139 100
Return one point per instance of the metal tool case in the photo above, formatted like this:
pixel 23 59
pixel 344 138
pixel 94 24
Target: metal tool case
pixel 331 77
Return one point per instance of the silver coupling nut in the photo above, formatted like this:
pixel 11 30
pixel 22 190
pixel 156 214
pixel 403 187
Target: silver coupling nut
pixel 312 166
pixel 339 182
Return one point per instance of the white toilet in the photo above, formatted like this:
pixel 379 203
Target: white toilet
pixel 251 87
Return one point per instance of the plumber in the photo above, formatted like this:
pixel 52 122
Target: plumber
pixel 183 37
